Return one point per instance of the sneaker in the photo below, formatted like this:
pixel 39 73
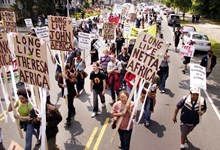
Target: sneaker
pixel 162 91
pixel 186 145
pixel 68 123
pixel 147 124
pixel 184 71
pixel 103 105
pixel 93 114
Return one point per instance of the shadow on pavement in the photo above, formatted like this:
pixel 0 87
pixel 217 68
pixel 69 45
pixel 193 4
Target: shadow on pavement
pixel 192 147
pixel 73 143
pixel 184 84
pixel 101 117
pixel 169 92
pixel 157 128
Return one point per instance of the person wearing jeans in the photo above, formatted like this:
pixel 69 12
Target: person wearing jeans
pixel 97 86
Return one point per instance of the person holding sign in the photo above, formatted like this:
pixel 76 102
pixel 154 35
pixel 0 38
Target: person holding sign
pixel 24 108
pixel 209 61
pixel 117 112
pixel 192 107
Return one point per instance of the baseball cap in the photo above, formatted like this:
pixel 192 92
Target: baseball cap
pixel 194 90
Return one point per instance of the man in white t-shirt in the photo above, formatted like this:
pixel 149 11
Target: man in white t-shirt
pixel 114 69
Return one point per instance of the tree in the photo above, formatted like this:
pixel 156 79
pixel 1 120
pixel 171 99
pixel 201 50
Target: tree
pixel 183 5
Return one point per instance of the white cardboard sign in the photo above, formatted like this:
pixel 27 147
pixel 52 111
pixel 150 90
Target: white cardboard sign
pixel 197 76
pixel 98 45
pixel 42 32
pixel 187 50
pixel 127 28
pixel 28 22
pixel 84 41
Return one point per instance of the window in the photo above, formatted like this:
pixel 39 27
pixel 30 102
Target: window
pixel 200 37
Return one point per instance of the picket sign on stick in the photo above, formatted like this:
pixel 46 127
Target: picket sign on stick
pixel 13 82
pixel 142 108
pixel 125 109
pixel 12 102
pixel 3 111
pixel 136 102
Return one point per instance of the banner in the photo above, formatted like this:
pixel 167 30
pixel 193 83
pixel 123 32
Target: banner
pixel 28 22
pixel 135 31
pixel 114 19
pixel 42 32
pixel 109 31
pixel 61 33
pixel 5 53
pixel 31 57
pixel 84 41
pixel 146 56
pixel 197 76
pixel 9 21
pixel 187 50
pixel 104 13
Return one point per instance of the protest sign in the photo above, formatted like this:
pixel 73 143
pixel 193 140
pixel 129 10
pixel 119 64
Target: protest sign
pixel 99 45
pixel 197 76
pixel 117 9
pixel 104 13
pixel 42 32
pixel 135 31
pixel 9 21
pixel 132 17
pixel 146 56
pixel 127 28
pixel 187 50
pixel 84 41
pixel 5 53
pixel 124 11
pixel 31 57
pixel 100 25
pixel 74 24
pixel 114 19
pixel 28 22
pixel 109 31
pixel 60 33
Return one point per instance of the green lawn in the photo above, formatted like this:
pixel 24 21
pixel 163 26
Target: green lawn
pixel 215 47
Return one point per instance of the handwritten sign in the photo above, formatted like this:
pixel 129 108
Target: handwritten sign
pixel 99 45
pixel 109 31
pixel 114 19
pixel 28 22
pixel 31 57
pixel 5 53
pixel 127 28
pixel 42 32
pixel 197 76
pixel 146 56
pixel 117 9
pixel 84 41
pixel 187 50
pixel 61 33
pixel 124 11
pixel 9 21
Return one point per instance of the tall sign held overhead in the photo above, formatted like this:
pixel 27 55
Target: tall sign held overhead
pixel 109 31
pixel 146 56
pixel 5 53
pixel 9 21
pixel 61 33
pixel 31 58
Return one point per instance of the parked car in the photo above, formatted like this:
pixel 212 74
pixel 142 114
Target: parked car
pixel 171 19
pixel 186 29
pixel 199 40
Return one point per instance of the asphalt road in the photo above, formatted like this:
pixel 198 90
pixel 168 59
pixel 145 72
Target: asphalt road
pixel 162 134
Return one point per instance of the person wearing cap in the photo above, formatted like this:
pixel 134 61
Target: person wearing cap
pixel 209 61
pixel 24 107
pixel 192 108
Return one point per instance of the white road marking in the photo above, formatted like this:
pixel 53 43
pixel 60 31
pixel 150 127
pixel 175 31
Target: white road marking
pixel 212 104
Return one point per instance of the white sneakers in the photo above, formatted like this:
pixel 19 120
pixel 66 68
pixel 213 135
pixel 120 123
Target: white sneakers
pixel 93 114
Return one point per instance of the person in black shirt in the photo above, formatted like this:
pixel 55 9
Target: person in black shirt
pixel 176 38
pixel 97 87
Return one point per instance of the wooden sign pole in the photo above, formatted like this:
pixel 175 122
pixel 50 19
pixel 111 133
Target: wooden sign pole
pixel 125 109
pixel 11 101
